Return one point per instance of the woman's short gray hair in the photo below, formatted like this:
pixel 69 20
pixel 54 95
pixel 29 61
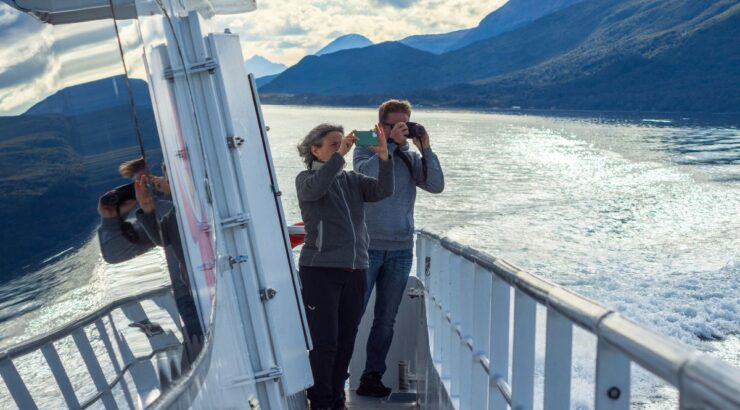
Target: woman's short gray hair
pixel 313 139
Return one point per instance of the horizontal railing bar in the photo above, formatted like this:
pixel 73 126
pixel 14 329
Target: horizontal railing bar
pixel 503 388
pixel 656 353
pixel 484 362
pixel 64 331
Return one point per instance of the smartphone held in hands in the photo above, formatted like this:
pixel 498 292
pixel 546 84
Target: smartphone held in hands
pixel 366 138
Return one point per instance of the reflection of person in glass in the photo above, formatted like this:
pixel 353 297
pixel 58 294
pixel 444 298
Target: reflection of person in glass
pixel 122 240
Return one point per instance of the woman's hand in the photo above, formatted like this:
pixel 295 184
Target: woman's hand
pixel 143 196
pixel 382 148
pixel 347 143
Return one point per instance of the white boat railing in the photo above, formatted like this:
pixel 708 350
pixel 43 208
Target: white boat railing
pixel 468 310
pixel 101 325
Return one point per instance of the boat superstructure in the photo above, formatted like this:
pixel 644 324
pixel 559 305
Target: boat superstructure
pixel 465 332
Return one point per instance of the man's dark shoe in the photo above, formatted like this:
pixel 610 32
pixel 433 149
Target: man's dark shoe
pixel 371 384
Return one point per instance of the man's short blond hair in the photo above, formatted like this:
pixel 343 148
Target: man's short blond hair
pixel 129 169
pixel 392 106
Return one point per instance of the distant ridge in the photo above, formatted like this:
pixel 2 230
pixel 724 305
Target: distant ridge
pixel 435 43
pixel 513 14
pixel 92 96
pixel 345 42
pixel 261 67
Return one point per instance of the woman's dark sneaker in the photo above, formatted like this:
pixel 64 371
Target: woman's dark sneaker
pixel 371 384
pixel 339 402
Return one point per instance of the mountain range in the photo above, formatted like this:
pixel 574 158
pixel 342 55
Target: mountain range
pixel 265 70
pixel 647 55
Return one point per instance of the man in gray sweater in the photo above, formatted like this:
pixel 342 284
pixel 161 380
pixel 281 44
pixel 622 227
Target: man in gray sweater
pixel 390 225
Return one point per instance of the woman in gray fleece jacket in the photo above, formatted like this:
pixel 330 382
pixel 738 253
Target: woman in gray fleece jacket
pixel 334 259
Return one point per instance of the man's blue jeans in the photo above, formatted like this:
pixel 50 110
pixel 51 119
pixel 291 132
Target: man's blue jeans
pixel 388 273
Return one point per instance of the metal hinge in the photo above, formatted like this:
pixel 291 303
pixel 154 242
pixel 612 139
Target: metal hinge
pixel 238 259
pixel 236 220
pixel 199 67
pixel 234 142
pixel 267 294
pixel 276 190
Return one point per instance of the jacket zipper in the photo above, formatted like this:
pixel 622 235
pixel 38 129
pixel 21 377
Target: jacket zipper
pixel 321 235
pixel 354 234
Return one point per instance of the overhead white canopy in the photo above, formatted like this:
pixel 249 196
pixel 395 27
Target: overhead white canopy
pixel 75 11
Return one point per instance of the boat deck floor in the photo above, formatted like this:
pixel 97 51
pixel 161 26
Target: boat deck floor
pixel 394 401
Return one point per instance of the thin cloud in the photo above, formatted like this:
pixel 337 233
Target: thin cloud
pixel 401 4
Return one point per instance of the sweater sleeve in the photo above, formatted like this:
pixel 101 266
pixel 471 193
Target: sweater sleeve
pixel 149 222
pixel 435 180
pixel 365 161
pixel 163 233
pixel 115 247
pixel 312 186
pixel 374 190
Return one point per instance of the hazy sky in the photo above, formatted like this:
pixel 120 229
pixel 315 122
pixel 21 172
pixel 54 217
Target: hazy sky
pixel 286 30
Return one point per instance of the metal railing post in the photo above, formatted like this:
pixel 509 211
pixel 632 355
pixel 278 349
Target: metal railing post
pixel 435 305
pixel 499 347
pixel 558 356
pixel 443 331
pixel 467 343
pixel 420 255
pixel 60 375
pixel 456 349
pixel 102 330
pixel 93 367
pixel 522 375
pixel 16 386
pixel 481 335
pixel 612 378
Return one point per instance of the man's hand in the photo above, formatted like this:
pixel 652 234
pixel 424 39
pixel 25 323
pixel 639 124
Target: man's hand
pixel 347 143
pixel 110 211
pixel 382 148
pixel 423 141
pixel 161 184
pixel 145 198
pixel 399 133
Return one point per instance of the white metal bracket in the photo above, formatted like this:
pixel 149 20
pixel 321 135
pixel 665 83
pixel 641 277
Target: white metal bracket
pixel 208 65
pixel 259 377
pixel 238 220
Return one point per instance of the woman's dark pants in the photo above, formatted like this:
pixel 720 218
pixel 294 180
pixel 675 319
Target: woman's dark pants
pixel 333 299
